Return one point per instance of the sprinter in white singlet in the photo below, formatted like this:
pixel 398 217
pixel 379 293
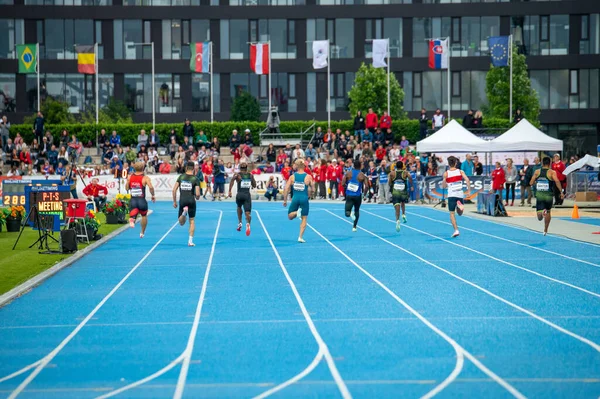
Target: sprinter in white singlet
pixel 453 180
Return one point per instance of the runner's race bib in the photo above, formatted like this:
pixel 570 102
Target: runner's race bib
pixel 246 184
pixel 353 187
pixel 298 186
pixel 542 186
pixel 186 186
pixel 455 188
pixel 136 192
pixel 399 186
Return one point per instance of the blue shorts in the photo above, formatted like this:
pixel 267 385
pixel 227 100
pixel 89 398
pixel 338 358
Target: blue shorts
pixel 299 203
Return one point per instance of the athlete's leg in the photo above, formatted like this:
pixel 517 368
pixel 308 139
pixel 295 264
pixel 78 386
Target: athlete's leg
pixel 302 228
pixel 144 223
pixel 239 214
pixel 403 205
pixel 248 217
pixel 397 209
pixel 453 220
pixel 348 207
pixel 132 215
pixel 292 215
pixel 192 230
pixel 357 203
pixel 547 219
pixel 540 215
pixel 182 214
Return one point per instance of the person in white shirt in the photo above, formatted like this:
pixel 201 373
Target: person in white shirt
pixel 394 153
pixel 152 153
pixel 437 122
pixel 298 153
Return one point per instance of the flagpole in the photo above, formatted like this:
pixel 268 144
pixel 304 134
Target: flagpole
pixel 37 64
pixel 153 90
pixel 269 45
pixel 328 85
pixel 449 80
pixel 97 91
pixel 388 77
pixel 510 49
pixel 212 115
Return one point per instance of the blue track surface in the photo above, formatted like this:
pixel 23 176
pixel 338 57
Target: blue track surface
pixel 495 313
pixel 592 221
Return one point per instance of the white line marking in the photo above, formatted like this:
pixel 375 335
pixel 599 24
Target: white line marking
pixel 505 239
pixel 187 353
pixel 459 350
pixel 492 257
pixel 46 359
pixel 511 304
pixel 19 372
pixel 296 378
pixel 322 345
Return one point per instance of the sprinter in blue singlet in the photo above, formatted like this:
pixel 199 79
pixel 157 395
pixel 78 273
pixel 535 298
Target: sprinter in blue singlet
pixel 301 184
pixel 353 183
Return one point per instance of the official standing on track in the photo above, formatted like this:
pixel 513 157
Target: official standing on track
pixel 453 179
pixel 399 182
pixel 545 181
pixel 245 181
pixel 188 186
pixel 301 184
pixel 136 185
pixel 355 183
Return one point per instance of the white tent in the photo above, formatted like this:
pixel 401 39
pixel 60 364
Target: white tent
pixel 525 137
pixel 453 138
pixel 588 160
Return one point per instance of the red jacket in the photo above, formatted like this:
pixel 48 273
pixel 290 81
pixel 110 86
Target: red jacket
pixel 316 173
pixel 94 190
pixel 371 121
pixel 25 157
pixel 285 172
pixel 498 179
pixel 207 170
pixel 281 159
pixel 380 153
pixel 386 122
pixel 332 173
pixel 323 173
pixel 340 172
pixel 559 167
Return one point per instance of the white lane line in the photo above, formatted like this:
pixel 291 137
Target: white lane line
pixel 493 257
pixel 181 358
pixel 192 338
pixel 499 298
pixel 460 351
pixel 507 240
pixel 322 345
pixel 46 359
pixel 295 378
pixel 19 372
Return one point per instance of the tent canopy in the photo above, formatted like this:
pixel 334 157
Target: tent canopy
pixel 525 137
pixel 453 138
pixel 588 160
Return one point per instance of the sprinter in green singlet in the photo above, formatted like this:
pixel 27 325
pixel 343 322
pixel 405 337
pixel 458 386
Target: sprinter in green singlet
pixel 399 179
pixel 245 181
pixel 189 191
pixel 544 180
pixel 301 184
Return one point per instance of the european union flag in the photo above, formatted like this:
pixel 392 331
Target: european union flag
pixel 499 50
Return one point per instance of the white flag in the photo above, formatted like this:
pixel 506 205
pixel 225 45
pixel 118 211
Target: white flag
pixel 380 52
pixel 320 54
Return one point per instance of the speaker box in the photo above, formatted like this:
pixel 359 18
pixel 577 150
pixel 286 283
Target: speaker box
pixel 68 241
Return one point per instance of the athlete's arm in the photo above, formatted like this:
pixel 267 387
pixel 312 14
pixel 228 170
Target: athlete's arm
pixel 233 180
pixel 197 190
pixel 286 191
pixel 464 175
pixel 175 188
pixel 150 186
pixel 444 182
pixel 127 183
pixel 536 174
pixel 311 187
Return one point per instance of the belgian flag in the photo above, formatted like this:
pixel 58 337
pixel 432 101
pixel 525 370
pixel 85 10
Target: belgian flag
pixel 86 60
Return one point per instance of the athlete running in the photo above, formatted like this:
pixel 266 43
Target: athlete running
pixel 354 183
pixel 399 183
pixel 245 181
pixel 301 184
pixel 544 181
pixel 453 180
pixel 189 191
pixel 136 185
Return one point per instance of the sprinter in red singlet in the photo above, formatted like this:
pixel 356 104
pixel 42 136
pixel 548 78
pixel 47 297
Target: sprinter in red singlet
pixel 453 179
pixel 136 185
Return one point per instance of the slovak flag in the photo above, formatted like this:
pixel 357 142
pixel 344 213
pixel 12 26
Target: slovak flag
pixel 259 58
pixel 438 54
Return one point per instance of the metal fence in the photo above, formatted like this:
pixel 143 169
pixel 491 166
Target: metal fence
pixel 582 182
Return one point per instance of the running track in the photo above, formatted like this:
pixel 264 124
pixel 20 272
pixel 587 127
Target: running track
pixel 499 312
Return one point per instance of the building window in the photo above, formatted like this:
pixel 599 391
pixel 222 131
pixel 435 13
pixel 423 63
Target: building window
pixel 589 42
pixel 128 34
pixel 68 88
pixel 134 92
pixel 161 2
pixel 374 30
pixel 7 92
pixel 392 29
pixel 62 35
pixel 340 33
pixel 257 85
pixel 541 35
pixel 361 2
pixel 235 35
pixel 562 89
pixel 574 81
pixel 292 100
pixel 311 92
pixel 168 89
pixel 201 92
pixel 340 84
pixel 177 36
pixel 13 34
pixel 66 2
pixel 267 2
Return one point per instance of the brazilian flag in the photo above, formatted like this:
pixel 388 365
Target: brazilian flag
pixel 26 53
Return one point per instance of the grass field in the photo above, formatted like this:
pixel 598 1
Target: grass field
pixel 23 263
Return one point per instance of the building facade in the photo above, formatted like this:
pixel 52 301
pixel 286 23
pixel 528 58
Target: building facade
pixel 560 38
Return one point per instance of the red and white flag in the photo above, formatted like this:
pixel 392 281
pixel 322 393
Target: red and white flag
pixel 259 58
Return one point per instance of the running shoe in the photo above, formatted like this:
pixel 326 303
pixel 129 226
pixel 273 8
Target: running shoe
pixel 404 219
pixel 247 229
pixel 185 211
pixel 301 240
pixel 141 235
pixel 545 233
pixel 459 208
pixel 353 216
pixel 398 225
pixel 131 222
pixel 191 244
pixel 354 229
pixel 456 234
pixel 239 228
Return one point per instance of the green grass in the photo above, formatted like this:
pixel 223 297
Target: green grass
pixel 23 263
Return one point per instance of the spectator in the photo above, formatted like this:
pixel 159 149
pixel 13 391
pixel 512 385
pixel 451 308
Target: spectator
pixel 248 138
pixel 518 116
pixel 97 193
pixel 359 125
pixel 256 171
pixel 173 135
pixel 394 153
pixel 74 149
pixel 468 120
pixel 384 195
pixel 153 140
pixel 271 153
pixel 220 177
pixel 201 139
pixel 498 180
pixel 380 154
pixel 116 166
pixel 467 166
pixel 152 153
pixel 45 147
pixel 53 156
pixel 388 137
pixel 438 120
pixel 271 191
pixel 297 153
pixel 367 136
pixel 4 132
pixel 216 146
pixel 246 154
pixel 180 160
pixel 386 122
pixel 273 121
pixel 47 169
pixel 207 171
pixel 478 120
pixel 510 174
pixel 281 158
pixel 378 139
pixel 478 167
pixel 371 121
pixel 559 167
pixel 319 136
pixel 103 141
pixel 18 142
pixel 235 140
pixel 173 148
pixel 38 126
pixel 332 178
pixel 115 139
pixel 423 124
pixel 286 171
pixel 25 157
pixel 13 171
pixel 63 156
pixel 63 139
pixel 188 131
pixel 525 183
pixel 50 138
pixel 190 153
pixel 404 143
pixel 130 156
pixel 310 152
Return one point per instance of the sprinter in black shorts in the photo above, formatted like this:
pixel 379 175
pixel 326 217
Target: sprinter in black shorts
pixel 189 191
pixel 136 185
pixel 245 181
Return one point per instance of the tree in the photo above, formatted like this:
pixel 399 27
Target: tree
pixel 370 91
pixel 497 89
pixel 54 111
pixel 245 108
pixel 114 112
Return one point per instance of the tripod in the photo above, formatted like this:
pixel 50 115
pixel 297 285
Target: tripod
pixel 43 228
pixel 442 202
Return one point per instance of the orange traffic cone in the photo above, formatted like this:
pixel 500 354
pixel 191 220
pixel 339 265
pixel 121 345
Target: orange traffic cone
pixel 575 213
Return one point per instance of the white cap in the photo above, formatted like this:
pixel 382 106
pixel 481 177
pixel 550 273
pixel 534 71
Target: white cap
pixel 247 131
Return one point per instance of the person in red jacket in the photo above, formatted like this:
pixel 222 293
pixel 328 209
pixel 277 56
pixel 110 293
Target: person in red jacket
pixel 380 154
pixel 498 179
pixel 385 122
pixel 340 175
pixel 559 167
pixel 332 178
pixel 207 171
pixel 316 174
pixel 96 193
pixel 286 171
pixel 371 121
pixel 323 179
